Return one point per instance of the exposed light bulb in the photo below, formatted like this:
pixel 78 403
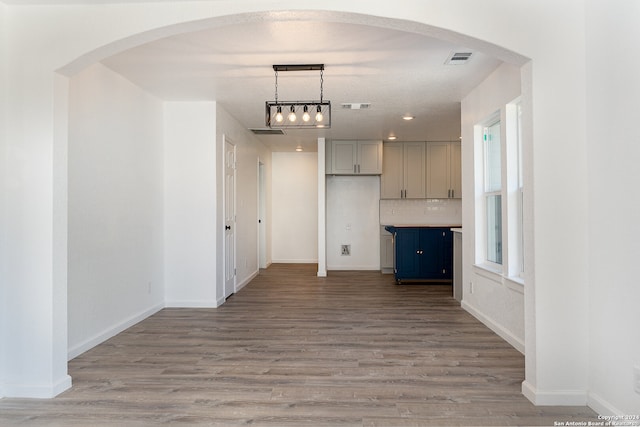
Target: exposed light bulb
pixel 292 115
pixel 305 115
pixel 319 116
pixel 279 117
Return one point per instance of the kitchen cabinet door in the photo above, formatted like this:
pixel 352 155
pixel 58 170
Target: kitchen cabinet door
pixel 423 253
pixel 431 256
pixel 438 170
pixel 414 170
pixel 407 253
pixel 403 173
pixel 392 180
pixel 344 157
pixel 369 160
pixel 456 170
pixel 443 170
pixel 386 253
pixel 354 157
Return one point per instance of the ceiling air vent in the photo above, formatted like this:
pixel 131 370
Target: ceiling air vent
pixel 458 58
pixel 356 105
pixel 267 131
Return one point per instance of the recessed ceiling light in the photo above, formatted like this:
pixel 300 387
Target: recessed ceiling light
pixel 391 138
pixel 407 117
pixel 299 148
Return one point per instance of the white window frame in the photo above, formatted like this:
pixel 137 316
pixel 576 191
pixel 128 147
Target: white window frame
pixel 482 218
pixel 515 191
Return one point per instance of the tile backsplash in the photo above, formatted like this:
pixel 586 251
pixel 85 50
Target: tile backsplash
pixel 421 212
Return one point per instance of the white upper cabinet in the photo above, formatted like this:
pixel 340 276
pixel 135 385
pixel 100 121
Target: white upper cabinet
pixel 444 170
pixel 354 157
pixel 418 170
pixel 403 172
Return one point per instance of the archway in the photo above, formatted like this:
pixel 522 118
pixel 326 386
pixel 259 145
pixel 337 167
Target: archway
pixel 121 45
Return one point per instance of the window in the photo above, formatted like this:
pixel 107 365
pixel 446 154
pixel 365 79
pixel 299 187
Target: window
pixel 499 183
pixel 520 193
pixel 493 192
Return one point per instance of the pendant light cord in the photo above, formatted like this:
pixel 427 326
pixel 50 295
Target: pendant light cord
pixel 321 82
pixel 276 71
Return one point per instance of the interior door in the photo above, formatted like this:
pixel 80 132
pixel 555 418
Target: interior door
pixel 229 219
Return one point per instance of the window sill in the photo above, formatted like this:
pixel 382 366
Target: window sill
pixel 489 272
pixel 494 274
pixel 515 284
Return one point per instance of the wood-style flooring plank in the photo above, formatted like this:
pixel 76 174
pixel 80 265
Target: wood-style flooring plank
pixel 292 349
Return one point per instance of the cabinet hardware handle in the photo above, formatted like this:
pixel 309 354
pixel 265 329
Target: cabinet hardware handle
pixel 401 194
pixel 358 168
pixel 354 168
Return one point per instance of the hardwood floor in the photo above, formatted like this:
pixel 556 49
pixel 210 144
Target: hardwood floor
pixel 291 349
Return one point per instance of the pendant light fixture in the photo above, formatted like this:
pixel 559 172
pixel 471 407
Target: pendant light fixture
pixel 299 112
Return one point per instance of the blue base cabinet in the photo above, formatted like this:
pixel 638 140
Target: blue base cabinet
pixel 423 254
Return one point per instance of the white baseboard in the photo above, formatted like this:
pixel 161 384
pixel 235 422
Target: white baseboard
pixel 111 332
pixel 295 261
pixel 554 398
pixel 601 406
pixel 246 281
pixel 36 391
pixel 516 342
pixel 197 303
pixel 353 267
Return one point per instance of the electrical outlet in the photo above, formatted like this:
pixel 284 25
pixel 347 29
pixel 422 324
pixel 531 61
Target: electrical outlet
pixel 636 382
pixel 346 250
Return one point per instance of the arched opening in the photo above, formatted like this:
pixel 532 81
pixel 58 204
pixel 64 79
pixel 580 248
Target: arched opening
pixel 230 21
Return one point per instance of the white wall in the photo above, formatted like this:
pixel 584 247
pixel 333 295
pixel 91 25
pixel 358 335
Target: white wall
pixel 353 219
pixel 494 300
pixel 614 206
pixel 190 204
pixel 46 39
pixel 115 240
pixel 249 151
pixel 194 139
pixel 4 318
pixel 294 213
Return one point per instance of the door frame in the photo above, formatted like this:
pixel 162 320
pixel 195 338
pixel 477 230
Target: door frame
pixel 228 288
pixel 262 216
